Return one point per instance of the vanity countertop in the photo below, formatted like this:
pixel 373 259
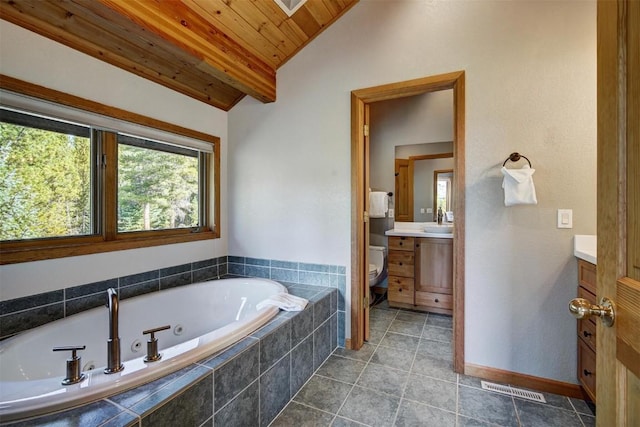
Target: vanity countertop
pixel 416 229
pixel 585 247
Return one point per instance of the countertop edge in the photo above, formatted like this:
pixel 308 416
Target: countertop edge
pixel 586 256
pixel 418 234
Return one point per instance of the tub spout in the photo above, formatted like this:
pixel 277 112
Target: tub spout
pixel 114 364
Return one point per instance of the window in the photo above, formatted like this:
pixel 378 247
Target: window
pixel 75 182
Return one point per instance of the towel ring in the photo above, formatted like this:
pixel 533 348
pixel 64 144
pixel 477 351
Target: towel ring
pixel 514 157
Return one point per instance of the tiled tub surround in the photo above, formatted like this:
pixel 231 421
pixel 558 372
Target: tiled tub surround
pixel 21 314
pixel 247 384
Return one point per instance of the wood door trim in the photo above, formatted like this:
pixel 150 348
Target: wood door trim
pixel 431 156
pixel 455 81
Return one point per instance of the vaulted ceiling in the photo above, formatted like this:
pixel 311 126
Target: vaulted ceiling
pixel 216 51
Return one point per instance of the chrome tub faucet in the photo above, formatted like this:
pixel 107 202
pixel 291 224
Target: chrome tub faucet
pixel 114 364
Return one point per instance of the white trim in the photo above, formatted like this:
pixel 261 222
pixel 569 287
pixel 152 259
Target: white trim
pixel 76 115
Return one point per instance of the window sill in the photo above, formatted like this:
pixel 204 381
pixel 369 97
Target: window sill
pixel 38 253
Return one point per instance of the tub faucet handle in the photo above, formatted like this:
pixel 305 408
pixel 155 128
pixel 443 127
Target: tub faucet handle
pixel 74 375
pixel 152 344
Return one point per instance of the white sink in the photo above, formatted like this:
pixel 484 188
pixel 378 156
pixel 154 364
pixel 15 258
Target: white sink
pixel 438 228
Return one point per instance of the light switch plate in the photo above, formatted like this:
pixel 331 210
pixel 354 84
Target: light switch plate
pixel 565 218
pixel 391 212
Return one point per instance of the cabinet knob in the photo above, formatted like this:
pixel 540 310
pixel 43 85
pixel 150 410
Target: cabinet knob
pixel 587 373
pixel 400 290
pixel 437 300
pixel 400 244
pixel 418 245
pixel 400 263
pixel 586 334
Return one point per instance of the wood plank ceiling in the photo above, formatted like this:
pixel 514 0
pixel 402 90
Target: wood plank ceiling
pixel 216 51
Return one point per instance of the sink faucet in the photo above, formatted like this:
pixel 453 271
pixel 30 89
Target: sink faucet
pixel 113 343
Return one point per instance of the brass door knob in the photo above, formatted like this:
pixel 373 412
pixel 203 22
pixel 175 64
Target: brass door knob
pixel 581 308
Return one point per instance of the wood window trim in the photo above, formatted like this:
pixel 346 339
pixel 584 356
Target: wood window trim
pixel 109 240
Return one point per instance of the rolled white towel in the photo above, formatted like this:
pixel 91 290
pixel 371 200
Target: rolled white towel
pixel 284 301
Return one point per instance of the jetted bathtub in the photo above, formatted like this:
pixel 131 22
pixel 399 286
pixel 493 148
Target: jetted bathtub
pixel 204 318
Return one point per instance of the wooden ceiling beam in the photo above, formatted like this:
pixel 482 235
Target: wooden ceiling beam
pixel 225 58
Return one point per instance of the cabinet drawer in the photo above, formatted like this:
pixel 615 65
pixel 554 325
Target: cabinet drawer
pixel 400 289
pixel 587 332
pixel 401 263
pixel 401 243
pixel 587 275
pixel 431 299
pixel 587 369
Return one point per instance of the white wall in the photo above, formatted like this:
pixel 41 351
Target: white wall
pixel 30 57
pixel 530 87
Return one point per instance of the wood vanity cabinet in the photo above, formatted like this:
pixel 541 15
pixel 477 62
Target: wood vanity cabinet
pixel 421 273
pixel 587 330
pixel 401 271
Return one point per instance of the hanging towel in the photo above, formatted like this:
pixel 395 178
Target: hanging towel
pixel 518 186
pixel 378 204
pixel 284 301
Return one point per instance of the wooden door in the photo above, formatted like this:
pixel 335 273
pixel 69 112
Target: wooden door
pixel 404 190
pixel 618 355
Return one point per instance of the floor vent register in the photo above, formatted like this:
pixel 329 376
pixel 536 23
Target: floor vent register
pixel 512 391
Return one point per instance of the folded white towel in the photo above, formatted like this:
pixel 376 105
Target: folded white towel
pixel 518 186
pixel 378 204
pixel 284 301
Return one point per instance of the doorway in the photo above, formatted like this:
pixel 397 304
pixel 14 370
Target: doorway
pixel 360 104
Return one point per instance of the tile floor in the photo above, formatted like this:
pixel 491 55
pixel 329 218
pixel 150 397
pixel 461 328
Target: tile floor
pixel 403 377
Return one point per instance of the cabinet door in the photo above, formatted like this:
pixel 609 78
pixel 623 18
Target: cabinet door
pixel 434 265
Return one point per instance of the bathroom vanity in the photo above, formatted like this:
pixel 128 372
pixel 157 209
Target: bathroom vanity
pixel 585 251
pixel 420 267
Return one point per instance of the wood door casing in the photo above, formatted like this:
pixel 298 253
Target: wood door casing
pixel 359 99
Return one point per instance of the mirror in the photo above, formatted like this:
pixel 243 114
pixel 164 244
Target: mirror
pixel 443 190
pixel 416 181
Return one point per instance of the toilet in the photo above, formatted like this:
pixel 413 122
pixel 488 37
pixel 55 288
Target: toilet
pixel 377 264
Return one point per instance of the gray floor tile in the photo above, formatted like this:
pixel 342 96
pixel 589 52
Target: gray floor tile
pixel 437 333
pixel 370 407
pixel 583 406
pixel 587 420
pixel 408 316
pixel 381 319
pixel 323 393
pixel 415 414
pixel 344 422
pixel 436 368
pixel 341 369
pixel 393 358
pixel 375 336
pixel 438 393
pixel 363 355
pixel 470 422
pixel 533 414
pixel 470 381
pixel 436 349
pixel 407 328
pixel 296 414
pixel 384 379
pixel 384 305
pixel 441 320
pixel 486 406
pixel 400 342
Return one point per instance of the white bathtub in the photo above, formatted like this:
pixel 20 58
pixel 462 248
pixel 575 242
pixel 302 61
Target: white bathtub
pixel 204 318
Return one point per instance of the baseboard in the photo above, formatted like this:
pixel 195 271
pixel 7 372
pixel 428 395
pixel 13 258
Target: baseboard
pixel 522 380
pixel 347 344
